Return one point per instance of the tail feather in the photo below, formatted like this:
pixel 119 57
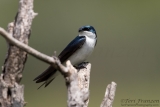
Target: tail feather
pixel 47 76
pixel 48 71
pixel 41 85
pixel 48 82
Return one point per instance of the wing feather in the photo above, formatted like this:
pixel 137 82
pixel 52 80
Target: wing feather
pixel 73 46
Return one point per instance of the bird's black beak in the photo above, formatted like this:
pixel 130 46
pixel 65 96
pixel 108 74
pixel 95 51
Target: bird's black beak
pixel 80 30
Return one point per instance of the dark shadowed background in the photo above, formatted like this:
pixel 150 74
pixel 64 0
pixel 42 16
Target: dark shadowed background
pixel 127 52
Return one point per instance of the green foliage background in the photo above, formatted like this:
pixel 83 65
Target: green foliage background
pixel 127 52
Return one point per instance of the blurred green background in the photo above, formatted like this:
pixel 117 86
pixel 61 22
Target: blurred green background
pixel 127 52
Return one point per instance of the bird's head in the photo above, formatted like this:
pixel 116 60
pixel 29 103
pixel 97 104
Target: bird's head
pixel 87 31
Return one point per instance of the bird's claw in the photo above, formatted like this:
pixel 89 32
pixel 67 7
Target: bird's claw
pixel 82 65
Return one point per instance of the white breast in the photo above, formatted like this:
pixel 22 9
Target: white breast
pixel 84 52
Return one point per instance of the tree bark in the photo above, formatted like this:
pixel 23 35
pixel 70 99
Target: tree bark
pixel 77 82
pixel 11 92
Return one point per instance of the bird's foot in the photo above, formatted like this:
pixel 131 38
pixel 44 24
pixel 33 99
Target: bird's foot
pixel 82 65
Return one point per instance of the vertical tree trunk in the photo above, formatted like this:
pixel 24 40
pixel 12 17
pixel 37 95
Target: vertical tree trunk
pixel 11 92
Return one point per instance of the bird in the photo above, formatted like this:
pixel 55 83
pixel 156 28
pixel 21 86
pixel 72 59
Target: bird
pixel 77 51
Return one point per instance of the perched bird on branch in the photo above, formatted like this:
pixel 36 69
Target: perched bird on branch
pixel 77 51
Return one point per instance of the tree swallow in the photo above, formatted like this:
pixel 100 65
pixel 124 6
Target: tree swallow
pixel 77 51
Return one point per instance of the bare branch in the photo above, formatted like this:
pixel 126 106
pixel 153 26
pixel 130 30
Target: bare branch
pixel 25 47
pixel 50 60
pixel 109 95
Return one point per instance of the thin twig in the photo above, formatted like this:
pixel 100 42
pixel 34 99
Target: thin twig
pixel 50 60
